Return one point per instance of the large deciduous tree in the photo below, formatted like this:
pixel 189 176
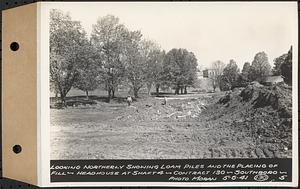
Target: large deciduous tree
pixel 136 59
pixel 260 67
pixel 108 37
pixel 67 39
pixel 277 64
pixel 218 67
pixel 180 69
pixel 286 67
pixel 190 71
pixel 88 70
pixel 246 70
pixel 243 77
pixel 230 74
pixel 154 65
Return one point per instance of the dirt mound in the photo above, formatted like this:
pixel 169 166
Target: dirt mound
pixel 264 112
pixel 250 92
pixel 225 99
pixel 278 96
pixel 155 110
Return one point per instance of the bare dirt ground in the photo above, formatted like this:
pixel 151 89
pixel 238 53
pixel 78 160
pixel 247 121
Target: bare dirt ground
pixel 190 126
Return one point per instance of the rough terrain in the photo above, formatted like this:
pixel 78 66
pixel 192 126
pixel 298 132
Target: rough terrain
pixel 253 122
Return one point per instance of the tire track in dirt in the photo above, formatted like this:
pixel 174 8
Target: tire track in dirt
pixel 241 153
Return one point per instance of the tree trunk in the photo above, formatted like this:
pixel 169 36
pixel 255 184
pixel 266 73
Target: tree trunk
pixel 157 90
pixel 149 86
pixel 177 90
pixel 214 85
pixel 87 94
pixel 135 93
pixel 113 93
pixel 185 90
pixel 63 99
pixel 109 95
pixel 181 90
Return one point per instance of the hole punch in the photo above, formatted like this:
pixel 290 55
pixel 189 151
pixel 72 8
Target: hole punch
pixel 17 149
pixel 14 46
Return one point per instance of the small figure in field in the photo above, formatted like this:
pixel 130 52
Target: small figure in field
pixel 165 101
pixel 129 100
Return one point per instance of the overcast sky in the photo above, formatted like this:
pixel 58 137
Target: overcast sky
pixel 213 31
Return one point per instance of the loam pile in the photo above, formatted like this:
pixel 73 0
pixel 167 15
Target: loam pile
pixel 174 110
pixel 251 122
pixel 263 112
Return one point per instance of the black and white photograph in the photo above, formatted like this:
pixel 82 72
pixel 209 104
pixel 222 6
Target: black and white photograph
pixel 169 80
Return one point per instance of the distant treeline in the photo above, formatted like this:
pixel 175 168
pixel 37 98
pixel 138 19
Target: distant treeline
pixel 229 76
pixel 112 56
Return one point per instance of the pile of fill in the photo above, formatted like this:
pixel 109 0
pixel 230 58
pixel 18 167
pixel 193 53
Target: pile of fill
pixel 264 111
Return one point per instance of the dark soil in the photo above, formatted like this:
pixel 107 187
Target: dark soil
pixel 251 122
